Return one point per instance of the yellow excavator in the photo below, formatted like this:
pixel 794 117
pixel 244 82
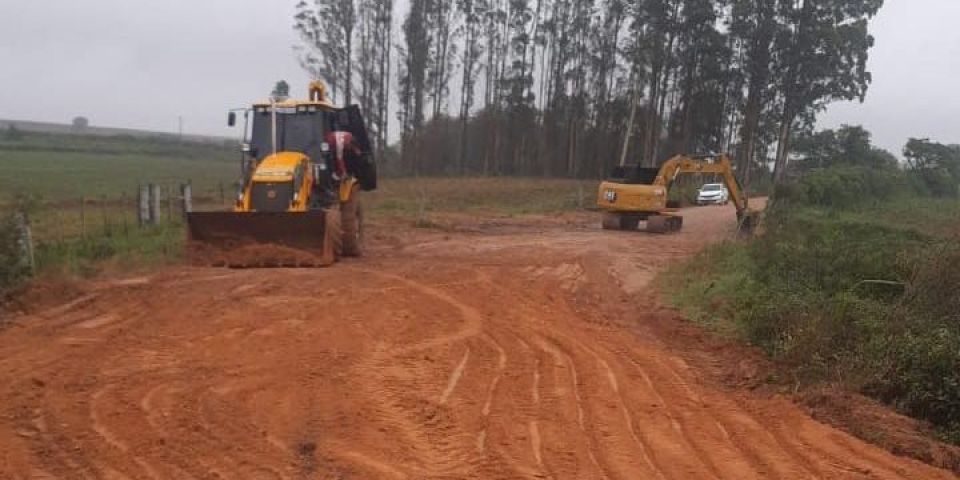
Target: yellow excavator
pixel 303 164
pixel 633 194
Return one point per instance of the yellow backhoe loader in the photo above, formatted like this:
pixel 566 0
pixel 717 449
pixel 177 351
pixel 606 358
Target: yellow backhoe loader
pixel 633 194
pixel 303 165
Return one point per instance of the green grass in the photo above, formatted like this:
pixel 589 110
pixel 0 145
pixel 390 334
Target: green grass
pixel 71 176
pixel 934 216
pixel 860 296
pixel 67 167
pixel 117 144
pixel 82 195
pixel 125 248
pixel 77 240
pixel 491 195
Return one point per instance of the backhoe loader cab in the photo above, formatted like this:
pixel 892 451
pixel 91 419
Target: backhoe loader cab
pixel 303 164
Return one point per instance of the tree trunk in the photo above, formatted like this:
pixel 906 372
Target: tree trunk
pixel 348 83
pixel 783 149
pixel 748 133
pixel 634 104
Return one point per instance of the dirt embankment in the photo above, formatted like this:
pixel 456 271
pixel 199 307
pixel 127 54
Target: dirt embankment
pixel 515 349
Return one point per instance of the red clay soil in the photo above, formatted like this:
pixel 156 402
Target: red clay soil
pixel 515 349
pixel 248 256
pixel 869 420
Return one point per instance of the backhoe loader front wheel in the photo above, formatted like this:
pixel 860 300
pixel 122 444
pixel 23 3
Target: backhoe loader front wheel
pixel 351 224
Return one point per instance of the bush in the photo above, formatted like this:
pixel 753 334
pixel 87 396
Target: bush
pixel 846 186
pixel 820 251
pixel 842 296
pixel 13 266
pixel 920 352
pixel 800 294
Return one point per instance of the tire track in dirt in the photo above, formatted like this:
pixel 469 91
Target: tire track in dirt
pixel 527 352
pixel 426 425
pixel 472 319
pixel 102 427
pixel 454 378
pixel 490 391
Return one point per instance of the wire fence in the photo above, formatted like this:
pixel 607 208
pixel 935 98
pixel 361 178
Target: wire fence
pixel 148 222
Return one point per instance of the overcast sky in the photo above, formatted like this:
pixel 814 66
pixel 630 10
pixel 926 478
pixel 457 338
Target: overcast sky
pixel 141 64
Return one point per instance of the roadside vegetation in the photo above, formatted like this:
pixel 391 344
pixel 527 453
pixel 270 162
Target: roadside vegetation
pixel 79 193
pixel 14 267
pixel 853 280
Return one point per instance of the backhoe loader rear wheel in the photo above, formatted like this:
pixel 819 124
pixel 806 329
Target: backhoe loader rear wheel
pixel 332 236
pixel 351 223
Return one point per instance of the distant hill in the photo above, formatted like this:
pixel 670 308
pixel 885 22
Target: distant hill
pixel 63 128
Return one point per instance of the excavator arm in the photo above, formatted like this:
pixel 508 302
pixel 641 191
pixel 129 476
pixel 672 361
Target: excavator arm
pixel 719 165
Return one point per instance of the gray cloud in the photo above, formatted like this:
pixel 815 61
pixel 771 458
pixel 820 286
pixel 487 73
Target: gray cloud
pixel 915 65
pixel 144 63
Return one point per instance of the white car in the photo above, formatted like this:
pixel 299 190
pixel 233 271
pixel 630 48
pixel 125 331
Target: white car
pixel 713 193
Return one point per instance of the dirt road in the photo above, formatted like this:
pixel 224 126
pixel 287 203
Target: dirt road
pixel 526 348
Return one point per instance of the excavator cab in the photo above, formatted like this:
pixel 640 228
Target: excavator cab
pixel 633 175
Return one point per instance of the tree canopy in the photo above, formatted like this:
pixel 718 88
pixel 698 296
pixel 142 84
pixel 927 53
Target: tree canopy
pixel 571 87
pixel 847 145
pixel 937 164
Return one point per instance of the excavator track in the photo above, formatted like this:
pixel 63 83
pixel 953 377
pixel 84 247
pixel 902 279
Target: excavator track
pixel 664 223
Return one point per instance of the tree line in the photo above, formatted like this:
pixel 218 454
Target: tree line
pixel 573 87
pixel 841 167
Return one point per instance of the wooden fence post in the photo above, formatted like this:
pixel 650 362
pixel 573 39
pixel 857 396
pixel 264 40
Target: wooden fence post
pixel 169 194
pixel 123 213
pixel 83 217
pixel 154 203
pixel 186 194
pixel 26 240
pixel 59 214
pixel 143 204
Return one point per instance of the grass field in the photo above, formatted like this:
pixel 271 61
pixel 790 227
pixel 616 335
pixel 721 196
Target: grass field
pixel 493 195
pixel 82 195
pixel 71 176
pixel 64 167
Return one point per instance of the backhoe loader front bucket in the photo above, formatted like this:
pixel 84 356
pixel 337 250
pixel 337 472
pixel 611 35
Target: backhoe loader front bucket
pixel 264 239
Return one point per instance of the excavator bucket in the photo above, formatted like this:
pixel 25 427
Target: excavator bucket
pixel 263 239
